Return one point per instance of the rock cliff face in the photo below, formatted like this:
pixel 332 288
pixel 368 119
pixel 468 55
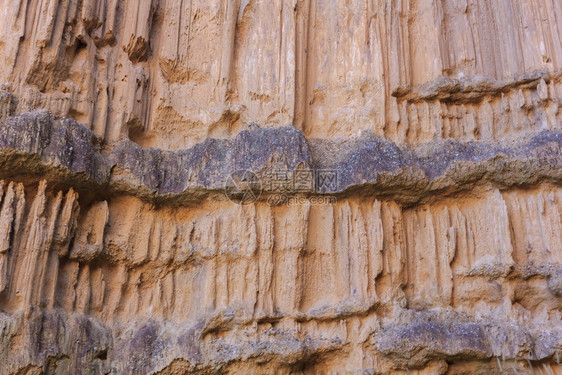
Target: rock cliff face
pixel 290 187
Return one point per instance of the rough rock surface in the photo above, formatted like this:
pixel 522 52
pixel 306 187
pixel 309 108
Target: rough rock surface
pixel 406 180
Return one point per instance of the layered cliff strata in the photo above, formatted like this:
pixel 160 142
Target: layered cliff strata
pixel 405 178
pixel 36 145
pixel 431 258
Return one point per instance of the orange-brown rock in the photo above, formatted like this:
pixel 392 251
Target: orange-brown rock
pixel 280 187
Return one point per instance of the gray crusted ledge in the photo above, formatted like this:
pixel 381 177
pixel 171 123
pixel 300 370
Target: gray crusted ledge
pixel 472 89
pixel 37 145
pixel 84 345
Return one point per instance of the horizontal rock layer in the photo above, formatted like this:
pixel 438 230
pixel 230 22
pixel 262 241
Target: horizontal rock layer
pixel 36 144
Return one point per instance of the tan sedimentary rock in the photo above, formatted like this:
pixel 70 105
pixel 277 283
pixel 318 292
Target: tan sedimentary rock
pixel 363 282
pixel 171 73
pixel 434 247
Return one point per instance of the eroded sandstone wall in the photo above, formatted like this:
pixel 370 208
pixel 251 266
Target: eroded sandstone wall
pixel 436 249
pixel 171 73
